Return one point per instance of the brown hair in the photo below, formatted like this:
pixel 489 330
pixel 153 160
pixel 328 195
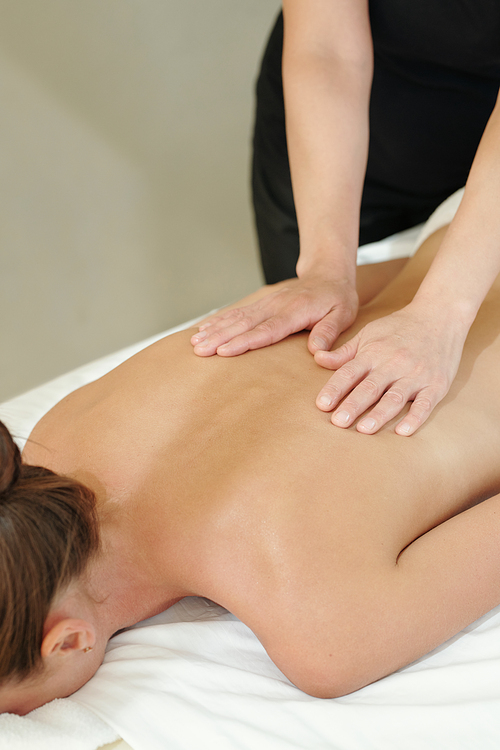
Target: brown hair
pixel 48 533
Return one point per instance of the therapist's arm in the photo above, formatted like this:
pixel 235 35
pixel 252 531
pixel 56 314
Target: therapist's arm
pixel 327 74
pixel 413 355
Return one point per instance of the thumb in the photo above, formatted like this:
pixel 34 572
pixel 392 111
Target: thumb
pixel 325 333
pixel 334 360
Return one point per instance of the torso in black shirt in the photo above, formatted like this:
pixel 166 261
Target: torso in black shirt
pixel 436 78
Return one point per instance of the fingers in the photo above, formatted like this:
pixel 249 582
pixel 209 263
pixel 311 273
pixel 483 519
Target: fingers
pixel 297 305
pixel 221 329
pixel 343 382
pixel 390 405
pixel 419 412
pixel 209 322
pixel 324 334
pixel 334 360
pixel 361 389
pixel 264 334
pixel 238 331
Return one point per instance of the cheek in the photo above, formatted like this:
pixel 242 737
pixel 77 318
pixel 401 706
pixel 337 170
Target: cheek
pixel 21 699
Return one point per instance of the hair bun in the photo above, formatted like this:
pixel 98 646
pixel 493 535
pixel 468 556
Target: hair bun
pixel 10 460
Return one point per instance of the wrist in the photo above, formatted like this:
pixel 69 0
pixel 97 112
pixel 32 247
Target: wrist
pixel 337 265
pixel 446 311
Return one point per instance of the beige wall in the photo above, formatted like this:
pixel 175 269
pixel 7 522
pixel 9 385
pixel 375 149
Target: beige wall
pixel 124 153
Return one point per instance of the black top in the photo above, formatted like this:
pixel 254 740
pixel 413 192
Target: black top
pixel 436 79
pixel 435 82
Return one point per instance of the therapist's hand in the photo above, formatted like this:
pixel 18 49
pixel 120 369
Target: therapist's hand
pixel 410 355
pixel 325 307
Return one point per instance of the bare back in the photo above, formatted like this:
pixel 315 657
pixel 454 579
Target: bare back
pixel 225 471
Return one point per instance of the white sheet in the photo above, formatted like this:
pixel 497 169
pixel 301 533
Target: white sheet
pixel 196 677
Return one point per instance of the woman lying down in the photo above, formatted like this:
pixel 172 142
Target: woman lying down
pixel 348 556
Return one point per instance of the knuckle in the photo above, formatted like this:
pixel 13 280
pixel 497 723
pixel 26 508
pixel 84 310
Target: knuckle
pixel 270 330
pixel 356 401
pixel 346 313
pixel 267 326
pixel 389 405
pixel 241 325
pixel 234 314
pixel 396 397
pixel 332 389
pixel 352 407
pixel 379 414
pixel 347 373
pixel 369 387
pixel 329 329
pixel 422 406
pixel 416 420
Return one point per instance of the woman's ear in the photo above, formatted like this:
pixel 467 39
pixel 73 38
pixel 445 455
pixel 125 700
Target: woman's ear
pixel 67 637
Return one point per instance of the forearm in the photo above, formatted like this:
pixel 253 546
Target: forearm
pixel 469 257
pixel 327 83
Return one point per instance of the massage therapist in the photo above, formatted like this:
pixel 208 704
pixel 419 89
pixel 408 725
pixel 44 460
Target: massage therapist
pixel 374 112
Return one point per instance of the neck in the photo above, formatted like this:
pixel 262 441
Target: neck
pixel 126 587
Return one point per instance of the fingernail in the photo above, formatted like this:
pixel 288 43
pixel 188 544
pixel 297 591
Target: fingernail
pixel 223 347
pixel 319 343
pixel 341 417
pixel 325 401
pixel 404 428
pixel 199 336
pixel 201 345
pixel 367 424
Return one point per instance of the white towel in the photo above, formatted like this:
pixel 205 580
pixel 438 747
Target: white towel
pixel 59 725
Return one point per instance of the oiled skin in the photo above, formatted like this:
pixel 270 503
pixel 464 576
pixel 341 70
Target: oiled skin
pixel 223 474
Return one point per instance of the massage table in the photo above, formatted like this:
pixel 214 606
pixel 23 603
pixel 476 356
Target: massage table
pixel 196 677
